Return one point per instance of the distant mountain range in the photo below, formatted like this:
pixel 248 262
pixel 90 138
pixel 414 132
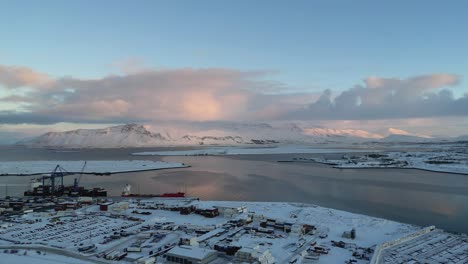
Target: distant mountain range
pixel 406 138
pixel 135 135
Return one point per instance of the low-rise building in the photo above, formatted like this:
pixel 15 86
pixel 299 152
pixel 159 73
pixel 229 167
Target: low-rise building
pixel 104 206
pixel 119 207
pixel 231 211
pixel 254 255
pixel 192 255
pixel 150 260
pixel 189 241
pixel 297 229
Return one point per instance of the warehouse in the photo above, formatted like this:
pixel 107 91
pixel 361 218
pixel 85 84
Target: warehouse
pixel 231 211
pixel 191 255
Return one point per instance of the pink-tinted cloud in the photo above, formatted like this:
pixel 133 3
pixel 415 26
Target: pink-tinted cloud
pixel 169 94
pixel 201 95
pixel 384 98
pixel 16 76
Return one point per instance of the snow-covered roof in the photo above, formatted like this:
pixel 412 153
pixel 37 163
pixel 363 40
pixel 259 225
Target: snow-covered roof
pixel 191 252
pixel 210 234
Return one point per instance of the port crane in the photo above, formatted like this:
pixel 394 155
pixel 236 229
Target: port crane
pixel 77 180
pixel 52 185
pixel 55 181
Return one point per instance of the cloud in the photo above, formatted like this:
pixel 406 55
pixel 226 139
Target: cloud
pixel 166 94
pixel 16 76
pixel 214 94
pixel 384 98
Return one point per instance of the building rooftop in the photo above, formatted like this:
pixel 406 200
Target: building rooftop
pixel 191 252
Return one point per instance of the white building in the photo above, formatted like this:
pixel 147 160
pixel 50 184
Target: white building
pixel 191 255
pixel 150 260
pixel 189 241
pixel 297 229
pixel 230 211
pixel 119 207
pixel 254 255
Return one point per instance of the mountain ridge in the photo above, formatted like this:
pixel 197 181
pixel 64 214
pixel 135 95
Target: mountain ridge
pixel 137 135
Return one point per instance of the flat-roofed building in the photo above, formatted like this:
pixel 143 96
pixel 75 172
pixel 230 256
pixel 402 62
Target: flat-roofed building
pixel 191 255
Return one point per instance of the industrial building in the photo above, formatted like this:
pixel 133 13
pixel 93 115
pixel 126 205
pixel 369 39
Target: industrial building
pixel 254 254
pixel 191 255
pixel 231 211
pixel 105 206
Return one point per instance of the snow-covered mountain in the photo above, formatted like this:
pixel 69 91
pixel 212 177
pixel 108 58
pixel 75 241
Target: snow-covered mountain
pixel 353 133
pixel 395 138
pixel 134 135
pixel 225 134
pixel 462 138
pixel 131 135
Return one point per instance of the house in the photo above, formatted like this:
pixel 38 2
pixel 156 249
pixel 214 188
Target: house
pixel 104 206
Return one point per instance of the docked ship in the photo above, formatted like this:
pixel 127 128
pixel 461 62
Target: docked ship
pixel 127 193
pixel 38 187
pixel 52 185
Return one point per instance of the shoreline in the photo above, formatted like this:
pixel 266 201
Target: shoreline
pixel 333 165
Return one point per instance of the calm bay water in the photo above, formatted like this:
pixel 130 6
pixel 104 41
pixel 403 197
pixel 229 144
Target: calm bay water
pixel 411 196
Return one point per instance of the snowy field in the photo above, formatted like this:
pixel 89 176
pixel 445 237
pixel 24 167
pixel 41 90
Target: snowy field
pixel 92 166
pixel 253 151
pixel 441 161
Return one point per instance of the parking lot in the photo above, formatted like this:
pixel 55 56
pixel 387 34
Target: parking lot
pixel 68 232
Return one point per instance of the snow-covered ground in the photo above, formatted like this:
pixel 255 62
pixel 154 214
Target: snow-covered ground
pixel 371 230
pixel 92 166
pixel 441 161
pixel 284 149
pixel 33 257
pixel 89 225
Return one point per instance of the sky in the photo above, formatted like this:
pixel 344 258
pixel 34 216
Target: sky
pixel 370 65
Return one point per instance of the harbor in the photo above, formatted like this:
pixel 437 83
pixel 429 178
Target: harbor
pixel 166 216
pixel 438 198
